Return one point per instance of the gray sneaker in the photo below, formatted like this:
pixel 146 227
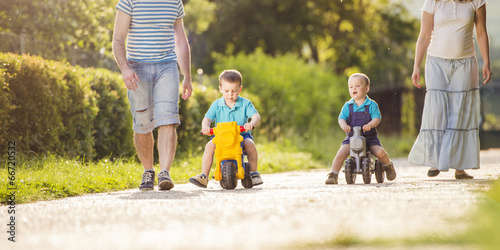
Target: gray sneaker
pixel 148 181
pixel 256 179
pixel 390 173
pixel 164 181
pixel 332 178
pixel 199 180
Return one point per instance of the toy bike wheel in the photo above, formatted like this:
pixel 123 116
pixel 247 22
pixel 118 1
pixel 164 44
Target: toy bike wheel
pixel 350 176
pixel 247 181
pixel 379 172
pixel 367 174
pixel 228 180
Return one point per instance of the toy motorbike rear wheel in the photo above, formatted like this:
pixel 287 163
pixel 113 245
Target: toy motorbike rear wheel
pixel 350 176
pixel 247 181
pixel 367 174
pixel 228 173
pixel 379 172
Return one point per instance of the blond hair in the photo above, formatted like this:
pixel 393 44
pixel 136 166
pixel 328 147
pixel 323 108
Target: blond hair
pixel 361 75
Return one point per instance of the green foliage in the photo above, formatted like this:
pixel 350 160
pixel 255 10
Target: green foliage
pixel 199 15
pixel 347 35
pixel 5 104
pixel 282 156
pixel 292 93
pixel 192 113
pixel 112 127
pixel 53 107
pixel 38 94
pixel 57 24
pixel 485 230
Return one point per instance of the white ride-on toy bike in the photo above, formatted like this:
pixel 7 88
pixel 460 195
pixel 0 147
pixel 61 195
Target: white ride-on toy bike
pixel 361 161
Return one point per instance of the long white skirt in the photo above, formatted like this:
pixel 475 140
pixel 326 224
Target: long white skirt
pixel 449 135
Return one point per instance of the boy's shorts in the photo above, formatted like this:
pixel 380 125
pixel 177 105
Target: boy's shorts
pixel 156 101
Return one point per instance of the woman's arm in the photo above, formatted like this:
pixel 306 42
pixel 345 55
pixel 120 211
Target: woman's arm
pixel 423 41
pixel 483 41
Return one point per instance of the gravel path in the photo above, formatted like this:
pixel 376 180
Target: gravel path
pixel 289 208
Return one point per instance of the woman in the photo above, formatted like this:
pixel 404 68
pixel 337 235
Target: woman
pixel 449 135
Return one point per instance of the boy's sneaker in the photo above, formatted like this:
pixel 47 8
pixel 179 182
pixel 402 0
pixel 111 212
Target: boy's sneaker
pixel 256 180
pixel 390 173
pixel 332 178
pixel 199 180
pixel 164 181
pixel 148 181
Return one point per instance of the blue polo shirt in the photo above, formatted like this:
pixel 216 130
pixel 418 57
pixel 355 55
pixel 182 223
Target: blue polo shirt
pixel 242 110
pixel 372 106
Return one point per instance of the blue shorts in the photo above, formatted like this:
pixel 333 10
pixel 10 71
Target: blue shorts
pixel 156 101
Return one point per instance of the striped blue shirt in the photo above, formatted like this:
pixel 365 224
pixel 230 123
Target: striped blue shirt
pixel 151 35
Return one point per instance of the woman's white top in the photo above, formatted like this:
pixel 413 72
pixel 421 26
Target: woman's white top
pixel 452 36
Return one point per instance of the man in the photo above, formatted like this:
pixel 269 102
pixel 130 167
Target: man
pixel 156 46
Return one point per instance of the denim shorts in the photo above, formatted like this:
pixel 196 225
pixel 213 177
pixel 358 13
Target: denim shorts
pixel 156 101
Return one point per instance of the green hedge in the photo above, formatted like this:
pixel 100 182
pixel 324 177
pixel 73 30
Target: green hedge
pixel 48 106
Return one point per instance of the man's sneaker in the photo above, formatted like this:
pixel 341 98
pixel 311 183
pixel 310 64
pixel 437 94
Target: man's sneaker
pixel 164 181
pixel 256 180
pixel 332 178
pixel 199 180
pixel 148 181
pixel 390 173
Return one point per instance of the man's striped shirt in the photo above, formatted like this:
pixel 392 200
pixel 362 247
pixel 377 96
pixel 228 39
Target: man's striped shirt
pixel 151 35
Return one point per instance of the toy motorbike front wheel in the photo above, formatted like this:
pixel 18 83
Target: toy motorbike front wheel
pixel 228 173
pixel 379 172
pixel 247 181
pixel 367 174
pixel 350 176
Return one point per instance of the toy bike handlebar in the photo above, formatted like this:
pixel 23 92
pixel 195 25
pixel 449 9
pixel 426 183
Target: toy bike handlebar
pixel 242 129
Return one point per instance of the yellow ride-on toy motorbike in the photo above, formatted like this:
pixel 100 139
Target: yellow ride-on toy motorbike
pixel 230 156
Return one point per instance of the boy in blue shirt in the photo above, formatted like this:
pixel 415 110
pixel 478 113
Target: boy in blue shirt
pixel 364 112
pixel 230 107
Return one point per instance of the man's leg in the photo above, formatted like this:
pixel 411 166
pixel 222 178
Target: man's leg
pixel 167 142
pixel 144 144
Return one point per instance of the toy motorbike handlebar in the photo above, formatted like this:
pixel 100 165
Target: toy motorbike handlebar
pixel 242 129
